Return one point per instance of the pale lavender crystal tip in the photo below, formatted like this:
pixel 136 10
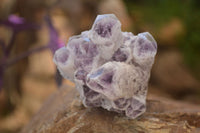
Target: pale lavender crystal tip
pixel 110 68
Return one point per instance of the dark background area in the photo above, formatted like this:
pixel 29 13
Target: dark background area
pixel 31 31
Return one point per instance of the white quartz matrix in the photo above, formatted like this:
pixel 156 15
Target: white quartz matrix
pixel 110 68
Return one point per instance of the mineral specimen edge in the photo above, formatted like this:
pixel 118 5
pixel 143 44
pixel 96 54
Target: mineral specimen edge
pixel 110 68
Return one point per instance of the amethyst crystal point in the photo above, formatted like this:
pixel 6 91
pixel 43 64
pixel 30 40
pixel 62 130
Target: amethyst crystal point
pixel 145 49
pixel 116 80
pixel 106 33
pixel 110 68
pixel 65 63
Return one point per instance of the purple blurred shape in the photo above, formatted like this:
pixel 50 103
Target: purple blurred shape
pixel 55 42
pixel 17 23
pixel 15 19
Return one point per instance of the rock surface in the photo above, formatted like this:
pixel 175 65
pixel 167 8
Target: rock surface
pixel 64 113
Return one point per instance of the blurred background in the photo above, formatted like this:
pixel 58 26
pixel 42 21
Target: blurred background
pixel 31 31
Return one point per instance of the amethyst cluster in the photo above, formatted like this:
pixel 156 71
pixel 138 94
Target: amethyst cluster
pixel 110 68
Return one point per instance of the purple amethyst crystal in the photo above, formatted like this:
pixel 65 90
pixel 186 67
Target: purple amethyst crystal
pixel 110 68
pixel 106 33
pixel 64 60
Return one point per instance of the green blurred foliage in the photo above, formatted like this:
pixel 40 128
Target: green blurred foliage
pixel 155 13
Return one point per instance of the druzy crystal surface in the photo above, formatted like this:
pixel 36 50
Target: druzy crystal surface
pixel 110 68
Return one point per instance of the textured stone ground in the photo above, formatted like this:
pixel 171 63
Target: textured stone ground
pixel 64 113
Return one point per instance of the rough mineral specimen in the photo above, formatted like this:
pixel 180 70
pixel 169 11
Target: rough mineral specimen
pixel 110 68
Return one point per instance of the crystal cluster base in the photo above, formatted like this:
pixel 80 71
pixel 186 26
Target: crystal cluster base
pixel 110 68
